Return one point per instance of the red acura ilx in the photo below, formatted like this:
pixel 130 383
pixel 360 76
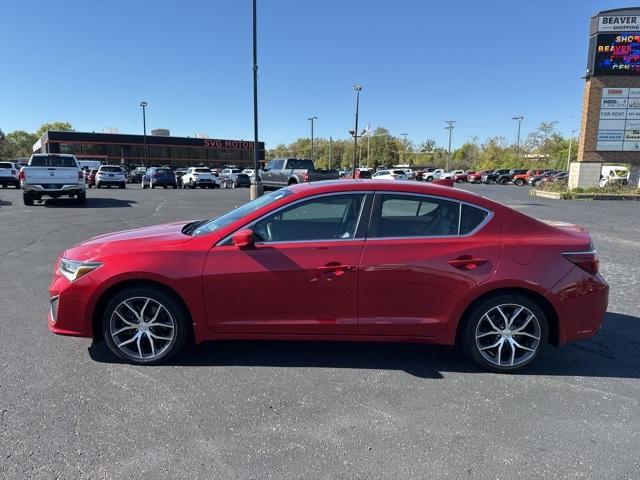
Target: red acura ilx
pixel 345 260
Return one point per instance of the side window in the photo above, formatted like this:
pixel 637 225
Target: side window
pixel 330 217
pixel 416 216
pixel 471 218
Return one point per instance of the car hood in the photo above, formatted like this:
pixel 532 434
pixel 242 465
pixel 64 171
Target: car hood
pixel 146 238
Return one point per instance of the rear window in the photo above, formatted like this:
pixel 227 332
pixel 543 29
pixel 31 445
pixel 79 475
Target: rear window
pixel 52 161
pixel 301 164
pixel 202 170
pixel 111 169
pixel 236 170
pixel 164 171
pixel 5 165
pixel 399 172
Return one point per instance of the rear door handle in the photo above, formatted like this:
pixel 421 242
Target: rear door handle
pixel 467 262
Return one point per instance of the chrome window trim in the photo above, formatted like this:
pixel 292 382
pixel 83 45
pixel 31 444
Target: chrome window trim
pixel 222 242
pixel 423 237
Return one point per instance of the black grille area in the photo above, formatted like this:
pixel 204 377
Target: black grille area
pixel 54 308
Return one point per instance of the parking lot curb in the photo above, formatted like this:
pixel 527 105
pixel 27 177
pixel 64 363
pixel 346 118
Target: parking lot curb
pixel 584 196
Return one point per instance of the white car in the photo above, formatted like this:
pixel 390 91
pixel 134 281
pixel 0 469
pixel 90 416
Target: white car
pixel 251 172
pixel 228 176
pixel 9 172
pixel 200 177
pixel 110 175
pixel 409 173
pixel 432 175
pixel 451 174
pixel 390 175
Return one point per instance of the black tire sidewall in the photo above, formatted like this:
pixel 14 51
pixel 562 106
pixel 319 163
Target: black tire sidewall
pixel 474 316
pixel 183 330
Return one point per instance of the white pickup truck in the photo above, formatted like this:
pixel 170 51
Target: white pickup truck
pixel 52 175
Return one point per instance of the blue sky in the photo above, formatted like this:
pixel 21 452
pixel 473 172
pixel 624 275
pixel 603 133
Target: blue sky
pixel 420 63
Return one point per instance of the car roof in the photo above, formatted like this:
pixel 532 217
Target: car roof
pixel 408 186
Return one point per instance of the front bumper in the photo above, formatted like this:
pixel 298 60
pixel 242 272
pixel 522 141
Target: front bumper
pixel 69 306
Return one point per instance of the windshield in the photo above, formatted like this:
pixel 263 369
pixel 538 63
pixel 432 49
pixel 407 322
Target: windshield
pixel 230 217
pixel 52 161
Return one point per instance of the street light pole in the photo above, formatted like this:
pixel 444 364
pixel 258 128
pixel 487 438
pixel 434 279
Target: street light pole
pixel 145 153
pixel 311 119
pixel 330 148
pixel 256 187
pixel 450 128
pixel 358 88
pixel 570 145
pixel 519 120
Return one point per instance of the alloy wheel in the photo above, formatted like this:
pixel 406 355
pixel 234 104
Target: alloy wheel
pixel 508 335
pixel 142 328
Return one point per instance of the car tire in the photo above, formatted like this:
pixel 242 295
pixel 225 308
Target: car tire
pixel 175 186
pixel 519 182
pixel 28 199
pixel 504 181
pixel 81 198
pixel 98 186
pixel 139 344
pixel 429 179
pixel 488 349
pixel 152 186
pixel 124 185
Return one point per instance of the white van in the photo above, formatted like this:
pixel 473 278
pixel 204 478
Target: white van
pixel 612 174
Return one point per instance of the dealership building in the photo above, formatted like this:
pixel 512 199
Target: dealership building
pixel 162 149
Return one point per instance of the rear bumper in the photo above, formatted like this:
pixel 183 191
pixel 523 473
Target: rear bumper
pixel 9 181
pixel 164 183
pixel 110 182
pixel 59 190
pixel 581 302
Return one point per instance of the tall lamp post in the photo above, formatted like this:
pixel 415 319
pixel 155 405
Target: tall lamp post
pixel 450 128
pixel 358 88
pixel 519 120
pixel 330 150
pixel 145 152
pixel 570 145
pixel 311 119
pixel 256 187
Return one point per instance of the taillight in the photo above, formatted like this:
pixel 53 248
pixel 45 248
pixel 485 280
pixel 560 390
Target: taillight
pixel 21 175
pixel 587 261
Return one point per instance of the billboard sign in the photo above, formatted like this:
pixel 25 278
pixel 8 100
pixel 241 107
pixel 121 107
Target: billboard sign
pixel 617 54
pixel 619 124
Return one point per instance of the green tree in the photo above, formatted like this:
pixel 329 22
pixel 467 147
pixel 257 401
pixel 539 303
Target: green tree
pixel 60 126
pixel 19 143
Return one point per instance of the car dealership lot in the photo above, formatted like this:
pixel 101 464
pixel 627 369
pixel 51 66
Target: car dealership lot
pixel 314 410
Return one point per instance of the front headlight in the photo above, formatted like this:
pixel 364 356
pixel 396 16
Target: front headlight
pixel 74 269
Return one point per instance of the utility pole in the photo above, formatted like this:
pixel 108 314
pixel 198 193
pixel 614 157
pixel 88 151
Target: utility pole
pixel 256 187
pixel 450 128
pixel 519 120
pixel 358 88
pixel 311 119
pixel 570 145
pixel 330 148
pixel 404 142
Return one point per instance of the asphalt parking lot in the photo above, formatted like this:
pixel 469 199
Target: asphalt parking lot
pixel 306 410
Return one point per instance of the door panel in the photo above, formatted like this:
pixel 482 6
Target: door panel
pixel 283 288
pixel 409 286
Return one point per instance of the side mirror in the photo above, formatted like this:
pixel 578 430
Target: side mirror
pixel 243 239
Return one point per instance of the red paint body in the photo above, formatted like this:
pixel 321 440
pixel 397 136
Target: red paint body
pixel 395 289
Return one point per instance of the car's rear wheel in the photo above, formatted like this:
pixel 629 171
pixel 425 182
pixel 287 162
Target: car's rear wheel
pixel 81 198
pixel 504 181
pixel 145 325
pixel 28 199
pixel 519 182
pixel 505 333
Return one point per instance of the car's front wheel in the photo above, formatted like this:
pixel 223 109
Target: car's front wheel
pixel 145 325
pixel 505 333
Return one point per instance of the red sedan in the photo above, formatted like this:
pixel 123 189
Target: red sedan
pixel 337 261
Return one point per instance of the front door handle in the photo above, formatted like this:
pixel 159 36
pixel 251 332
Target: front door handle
pixel 335 268
pixel 467 262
